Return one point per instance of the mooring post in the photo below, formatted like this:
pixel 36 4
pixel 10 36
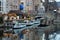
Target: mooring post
pixel 47 35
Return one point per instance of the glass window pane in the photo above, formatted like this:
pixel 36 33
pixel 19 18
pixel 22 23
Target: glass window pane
pixel 0 8
pixel 0 3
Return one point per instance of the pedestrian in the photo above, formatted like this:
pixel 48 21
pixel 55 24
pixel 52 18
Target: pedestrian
pixel 21 7
pixel 36 8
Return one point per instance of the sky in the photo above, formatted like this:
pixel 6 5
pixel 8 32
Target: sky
pixel 58 0
pixel 51 0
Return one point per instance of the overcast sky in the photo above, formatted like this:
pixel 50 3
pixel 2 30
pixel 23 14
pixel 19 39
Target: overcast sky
pixel 52 0
pixel 58 0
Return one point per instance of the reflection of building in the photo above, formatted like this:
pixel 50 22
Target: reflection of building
pixel 7 5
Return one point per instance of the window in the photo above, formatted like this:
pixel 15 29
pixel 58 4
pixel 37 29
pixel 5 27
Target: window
pixel 1 8
pixel 0 3
pixel 16 7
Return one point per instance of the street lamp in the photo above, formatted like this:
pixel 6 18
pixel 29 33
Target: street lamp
pixel 55 11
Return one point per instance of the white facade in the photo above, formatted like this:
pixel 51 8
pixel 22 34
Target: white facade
pixel 7 5
pixel 3 7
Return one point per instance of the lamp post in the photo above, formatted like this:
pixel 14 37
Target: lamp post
pixel 55 11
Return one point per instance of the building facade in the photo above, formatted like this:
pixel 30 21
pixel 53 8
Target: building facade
pixel 28 5
pixel 1 6
pixel 37 3
pixel 7 5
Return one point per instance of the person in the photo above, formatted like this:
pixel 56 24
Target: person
pixel 36 8
pixel 21 6
pixel 21 10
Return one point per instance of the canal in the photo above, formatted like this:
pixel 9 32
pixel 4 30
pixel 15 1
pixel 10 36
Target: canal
pixel 34 32
pixel 51 32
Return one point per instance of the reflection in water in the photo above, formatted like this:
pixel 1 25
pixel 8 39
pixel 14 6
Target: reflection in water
pixel 53 33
